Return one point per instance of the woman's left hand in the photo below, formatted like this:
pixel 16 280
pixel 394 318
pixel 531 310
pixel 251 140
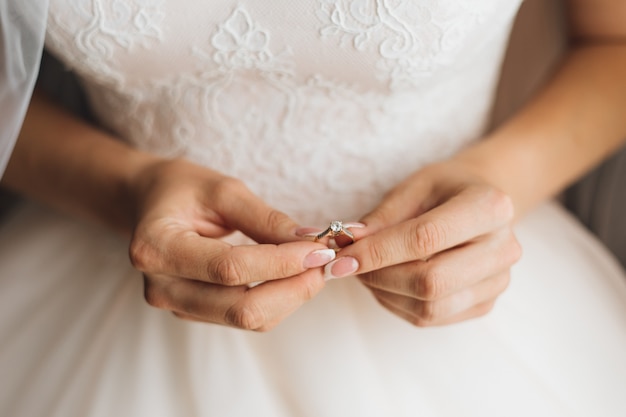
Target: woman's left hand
pixel 438 249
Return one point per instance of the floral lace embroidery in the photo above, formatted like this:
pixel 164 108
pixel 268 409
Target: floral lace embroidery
pixel 411 42
pixel 241 44
pixel 238 49
pixel 100 27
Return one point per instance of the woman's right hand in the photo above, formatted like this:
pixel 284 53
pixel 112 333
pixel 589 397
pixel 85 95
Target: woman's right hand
pixel 181 211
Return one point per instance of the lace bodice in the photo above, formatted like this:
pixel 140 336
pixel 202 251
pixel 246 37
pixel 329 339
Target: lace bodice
pixel 318 105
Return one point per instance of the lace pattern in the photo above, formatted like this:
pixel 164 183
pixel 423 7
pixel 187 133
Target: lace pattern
pixel 99 29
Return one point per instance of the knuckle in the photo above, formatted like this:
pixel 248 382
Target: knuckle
pixel 378 255
pixel 154 296
pixel 508 247
pixel 245 316
pixel 228 271
pixel 226 187
pixel 282 268
pixel 140 254
pixel 430 285
pixel 275 220
pixel 309 289
pixel 427 311
pixel 501 205
pixel 426 238
pixel 484 309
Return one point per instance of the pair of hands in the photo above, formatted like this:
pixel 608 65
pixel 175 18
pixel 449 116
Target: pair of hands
pixel 437 250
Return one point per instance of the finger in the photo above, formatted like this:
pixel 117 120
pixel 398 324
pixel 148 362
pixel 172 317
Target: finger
pixel 436 311
pixel 258 308
pixel 409 199
pixel 186 254
pixel 189 317
pixel 449 271
pixel 468 215
pixel 474 312
pixel 242 210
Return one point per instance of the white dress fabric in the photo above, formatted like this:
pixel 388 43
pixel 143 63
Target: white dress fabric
pixel 320 106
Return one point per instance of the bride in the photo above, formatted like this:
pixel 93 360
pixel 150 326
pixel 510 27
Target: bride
pixel 234 134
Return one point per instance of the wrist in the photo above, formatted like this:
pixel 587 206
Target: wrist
pixel 500 167
pixel 507 164
pixel 135 185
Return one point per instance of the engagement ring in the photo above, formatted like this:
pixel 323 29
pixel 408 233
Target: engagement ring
pixel 336 228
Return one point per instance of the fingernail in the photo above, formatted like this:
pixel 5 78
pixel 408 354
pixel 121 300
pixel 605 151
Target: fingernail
pixel 319 258
pixel 308 231
pixel 340 268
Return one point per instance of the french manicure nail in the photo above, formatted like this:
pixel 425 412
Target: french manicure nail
pixel 340 268
pixel 319 258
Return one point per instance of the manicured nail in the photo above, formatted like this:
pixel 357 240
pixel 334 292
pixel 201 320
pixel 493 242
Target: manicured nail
pixel 319 258
pixel 340 268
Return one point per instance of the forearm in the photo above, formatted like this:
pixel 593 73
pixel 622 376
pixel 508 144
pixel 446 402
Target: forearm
pixel 68 164
pixel 577 120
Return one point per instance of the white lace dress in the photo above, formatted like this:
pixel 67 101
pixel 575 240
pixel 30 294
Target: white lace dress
pixel 319 106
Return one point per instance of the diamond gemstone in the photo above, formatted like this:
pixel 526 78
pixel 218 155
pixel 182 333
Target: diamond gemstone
pixel 336 226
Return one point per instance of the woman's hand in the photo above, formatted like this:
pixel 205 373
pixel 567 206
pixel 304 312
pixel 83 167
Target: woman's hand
pixel 438 249
pixel 175 211
pixel 181 210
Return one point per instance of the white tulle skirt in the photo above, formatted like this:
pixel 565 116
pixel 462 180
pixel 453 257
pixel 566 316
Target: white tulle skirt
pixel 77 339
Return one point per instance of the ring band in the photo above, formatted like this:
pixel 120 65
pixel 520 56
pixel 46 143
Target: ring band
pixel 336 228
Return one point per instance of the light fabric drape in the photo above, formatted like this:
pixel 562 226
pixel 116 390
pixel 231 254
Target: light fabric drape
pixel 22 29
